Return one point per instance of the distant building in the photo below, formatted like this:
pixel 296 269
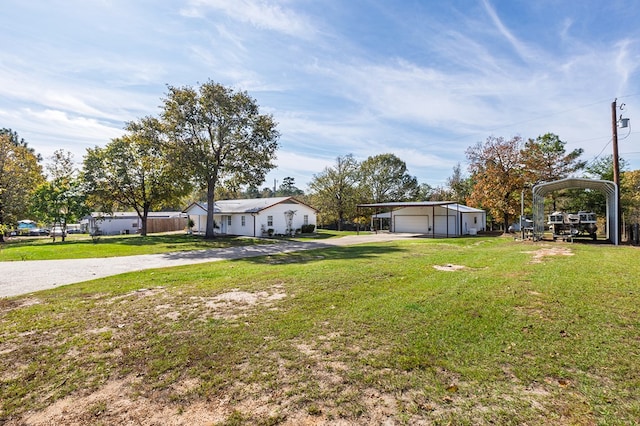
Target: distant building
pixel 254 217
pixel 129 223
pixel 431 218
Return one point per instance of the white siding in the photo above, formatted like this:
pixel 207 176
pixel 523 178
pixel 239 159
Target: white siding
pixel 280 220
pixel 440 227
pixel 472 221
pixel 254 221
pixel 114 226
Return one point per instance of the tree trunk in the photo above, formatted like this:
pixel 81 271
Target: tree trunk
pixel 145 215
pixel 506 222
pixel 210 231
pixel 1 223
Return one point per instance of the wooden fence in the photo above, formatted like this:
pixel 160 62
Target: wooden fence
pixel 166 224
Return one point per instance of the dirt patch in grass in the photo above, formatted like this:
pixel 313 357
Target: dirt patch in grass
pixel 449 267
pixel 9 305
pixel 547 251
pixel 235 303
pixel 117 403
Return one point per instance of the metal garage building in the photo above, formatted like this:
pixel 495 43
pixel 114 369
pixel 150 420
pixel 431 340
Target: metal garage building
pixel 432 218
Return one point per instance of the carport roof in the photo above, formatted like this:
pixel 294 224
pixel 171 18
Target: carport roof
pixel 605 186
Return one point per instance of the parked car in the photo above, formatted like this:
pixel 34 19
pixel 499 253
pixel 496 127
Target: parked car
pixel 516 227
pixel 38 232
pixel 57 231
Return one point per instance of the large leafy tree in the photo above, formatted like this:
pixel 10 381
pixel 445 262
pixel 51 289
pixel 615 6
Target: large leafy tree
pixel 17 141
pixel 496 167
pixel 459 186
pixel 288 188
pixel 20 174
pixel 630 195
pixel 219 136
pixel 384 178
pixel 61 199
pixel 425 192
pixel 588 200
pixel 134 171
pixel 545 159
pixel 334 190
pixel 602 168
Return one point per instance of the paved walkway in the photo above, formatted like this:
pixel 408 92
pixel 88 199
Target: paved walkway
pixel 24 277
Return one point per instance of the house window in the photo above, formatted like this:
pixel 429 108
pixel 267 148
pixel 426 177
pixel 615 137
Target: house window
pixel 229 220
pixel 269 220
pixel 475 219
pixel 305 219
pixel 134 225
pixel 242 221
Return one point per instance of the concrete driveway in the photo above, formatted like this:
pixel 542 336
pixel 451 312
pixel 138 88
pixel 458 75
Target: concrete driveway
pixel 24 277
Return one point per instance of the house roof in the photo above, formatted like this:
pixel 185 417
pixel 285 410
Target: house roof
pixel 131 215
pixel 251 205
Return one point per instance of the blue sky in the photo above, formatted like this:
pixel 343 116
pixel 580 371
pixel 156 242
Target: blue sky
pixel 421 79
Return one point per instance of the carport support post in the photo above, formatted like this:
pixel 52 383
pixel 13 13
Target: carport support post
pixel 433 221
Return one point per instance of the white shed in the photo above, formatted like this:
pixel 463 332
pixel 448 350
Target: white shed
pixel 254 217
pixel 432 218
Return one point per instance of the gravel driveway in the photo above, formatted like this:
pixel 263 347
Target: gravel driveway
pixel 24 277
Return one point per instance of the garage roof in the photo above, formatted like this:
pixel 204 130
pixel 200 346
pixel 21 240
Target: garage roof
pixel 408 204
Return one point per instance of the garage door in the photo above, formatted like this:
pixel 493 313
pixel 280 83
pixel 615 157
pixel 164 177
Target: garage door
pixel 413 224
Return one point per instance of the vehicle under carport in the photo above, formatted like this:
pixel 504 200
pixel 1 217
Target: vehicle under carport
pixel 608 188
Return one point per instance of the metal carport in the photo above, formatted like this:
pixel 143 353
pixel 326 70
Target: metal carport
pixel 607 187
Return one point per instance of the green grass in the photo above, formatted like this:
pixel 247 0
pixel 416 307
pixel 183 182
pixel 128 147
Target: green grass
pixel 83 246
pixel 323 234
pixel 359 334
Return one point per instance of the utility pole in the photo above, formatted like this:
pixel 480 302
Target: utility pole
pixel 616 166
pixel 614 127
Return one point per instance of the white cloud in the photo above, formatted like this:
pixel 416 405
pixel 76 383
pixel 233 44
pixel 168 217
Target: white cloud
pixel 522 50
pixel 444 78
pixel 263 14
pixel 48 130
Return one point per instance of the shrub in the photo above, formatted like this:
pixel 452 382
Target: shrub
pixel 308 229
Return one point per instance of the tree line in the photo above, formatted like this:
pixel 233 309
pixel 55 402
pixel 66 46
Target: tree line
pixel 501 172
pixel 211 142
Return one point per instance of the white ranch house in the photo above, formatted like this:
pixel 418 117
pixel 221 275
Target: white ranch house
pixel 253 217
pixel 431 218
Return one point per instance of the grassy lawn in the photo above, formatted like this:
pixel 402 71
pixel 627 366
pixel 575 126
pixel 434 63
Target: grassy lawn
pixel 459 331
pixel 80 246
pixel 323 234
